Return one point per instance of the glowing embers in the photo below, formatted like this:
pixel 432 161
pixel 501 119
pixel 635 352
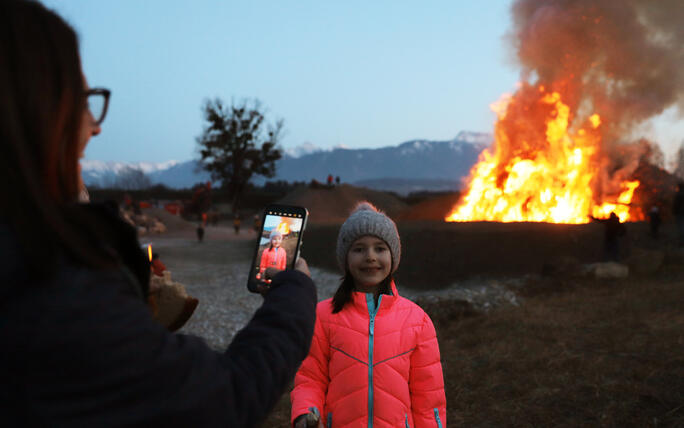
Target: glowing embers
pixel 540 169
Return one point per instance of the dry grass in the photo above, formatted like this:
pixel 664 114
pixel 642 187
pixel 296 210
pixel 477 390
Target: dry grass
pixel 588 354
pixel 603 354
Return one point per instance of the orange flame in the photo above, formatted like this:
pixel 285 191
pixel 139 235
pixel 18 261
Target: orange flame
pixel 149 252
pixel 283 228
pixel 540 168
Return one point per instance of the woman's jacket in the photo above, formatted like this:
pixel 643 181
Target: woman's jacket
pixel 81 349
pixel 372 367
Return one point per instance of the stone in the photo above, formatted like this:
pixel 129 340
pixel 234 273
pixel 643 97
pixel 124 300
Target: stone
pixel 609 270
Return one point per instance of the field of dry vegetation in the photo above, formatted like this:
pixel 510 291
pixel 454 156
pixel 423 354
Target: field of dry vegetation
pixel 576 353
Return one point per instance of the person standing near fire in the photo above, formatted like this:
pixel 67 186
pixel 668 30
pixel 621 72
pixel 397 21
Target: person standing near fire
pixel 274 256
pixel 678 211
pixel 613 231
pixel 80 345
pixel 374 360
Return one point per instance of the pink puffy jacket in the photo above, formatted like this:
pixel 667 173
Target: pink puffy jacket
pixel 371 367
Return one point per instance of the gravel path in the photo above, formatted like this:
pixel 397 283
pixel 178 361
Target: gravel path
pixel 215 271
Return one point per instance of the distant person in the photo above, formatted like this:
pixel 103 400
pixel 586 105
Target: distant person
pixel 274 256
pixel 654 221
pixel 613 231
pixel 128 201
pixel 374 360
pixel 337 180
pixel 678 211
pixel 330 180
pixel 79 345
pixel 157 266
pixel 236 223
pixel 200 232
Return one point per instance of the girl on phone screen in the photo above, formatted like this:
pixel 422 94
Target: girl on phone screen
pixel 274 256
pixel 374 360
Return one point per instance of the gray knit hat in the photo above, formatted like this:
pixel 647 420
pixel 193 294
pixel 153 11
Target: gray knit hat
pixel 274 234
pixel 368 220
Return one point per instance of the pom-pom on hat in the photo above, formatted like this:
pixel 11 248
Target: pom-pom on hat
pixel 368 220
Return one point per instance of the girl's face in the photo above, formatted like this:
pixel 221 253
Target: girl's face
pixel 369 261
pixel 276 241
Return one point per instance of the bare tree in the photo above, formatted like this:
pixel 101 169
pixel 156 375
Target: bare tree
pixel 236 146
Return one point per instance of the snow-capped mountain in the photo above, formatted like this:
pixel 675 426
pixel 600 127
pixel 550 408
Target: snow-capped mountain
pixel 423 161
pixel 105 174
pixel 479 139
pixel 301 150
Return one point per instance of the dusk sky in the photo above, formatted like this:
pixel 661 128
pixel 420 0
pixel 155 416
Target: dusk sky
pixel 353 73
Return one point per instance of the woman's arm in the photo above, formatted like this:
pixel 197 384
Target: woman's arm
pixel 98 359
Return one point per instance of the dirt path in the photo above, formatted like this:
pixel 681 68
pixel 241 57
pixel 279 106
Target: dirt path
pixel 215 271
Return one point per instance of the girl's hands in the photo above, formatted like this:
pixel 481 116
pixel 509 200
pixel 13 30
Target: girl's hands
pixel 308 420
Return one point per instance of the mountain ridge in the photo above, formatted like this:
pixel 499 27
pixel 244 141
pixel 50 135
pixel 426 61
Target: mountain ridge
pixel 413 165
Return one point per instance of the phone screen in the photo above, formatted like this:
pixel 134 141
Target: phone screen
pixel 277 242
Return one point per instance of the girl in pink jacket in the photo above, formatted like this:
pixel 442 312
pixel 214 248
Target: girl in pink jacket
pixel 374 359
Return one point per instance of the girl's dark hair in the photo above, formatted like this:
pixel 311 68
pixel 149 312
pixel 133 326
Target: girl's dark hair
pixel 344 292
pixel 41 108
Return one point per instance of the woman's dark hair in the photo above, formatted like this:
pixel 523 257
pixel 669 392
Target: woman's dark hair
pixel 344 292
pixel 41 108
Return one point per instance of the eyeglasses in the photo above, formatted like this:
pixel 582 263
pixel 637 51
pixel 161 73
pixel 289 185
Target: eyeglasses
pixel 97 103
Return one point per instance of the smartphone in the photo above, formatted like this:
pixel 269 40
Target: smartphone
pixel 278 242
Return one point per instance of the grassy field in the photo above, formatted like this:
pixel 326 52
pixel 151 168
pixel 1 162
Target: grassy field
pixel 577 352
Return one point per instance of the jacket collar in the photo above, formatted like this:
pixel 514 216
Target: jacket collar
pixel 360 303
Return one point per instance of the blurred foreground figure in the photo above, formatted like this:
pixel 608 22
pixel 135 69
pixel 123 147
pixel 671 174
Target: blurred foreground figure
pixel 79 345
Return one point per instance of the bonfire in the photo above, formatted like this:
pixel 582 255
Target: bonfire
pixel 565 143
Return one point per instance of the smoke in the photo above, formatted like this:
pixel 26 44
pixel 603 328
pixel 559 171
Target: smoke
pixel 623 59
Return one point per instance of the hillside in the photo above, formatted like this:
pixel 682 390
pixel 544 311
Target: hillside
pixel 333 205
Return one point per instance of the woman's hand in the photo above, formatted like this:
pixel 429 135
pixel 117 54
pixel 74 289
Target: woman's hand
pixel 301 266
pixel 269 273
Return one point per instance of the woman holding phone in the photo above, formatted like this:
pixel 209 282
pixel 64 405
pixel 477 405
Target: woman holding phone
pixel 80 347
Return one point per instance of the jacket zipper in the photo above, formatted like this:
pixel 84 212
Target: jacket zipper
pixel 437 419
pixel 371 332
